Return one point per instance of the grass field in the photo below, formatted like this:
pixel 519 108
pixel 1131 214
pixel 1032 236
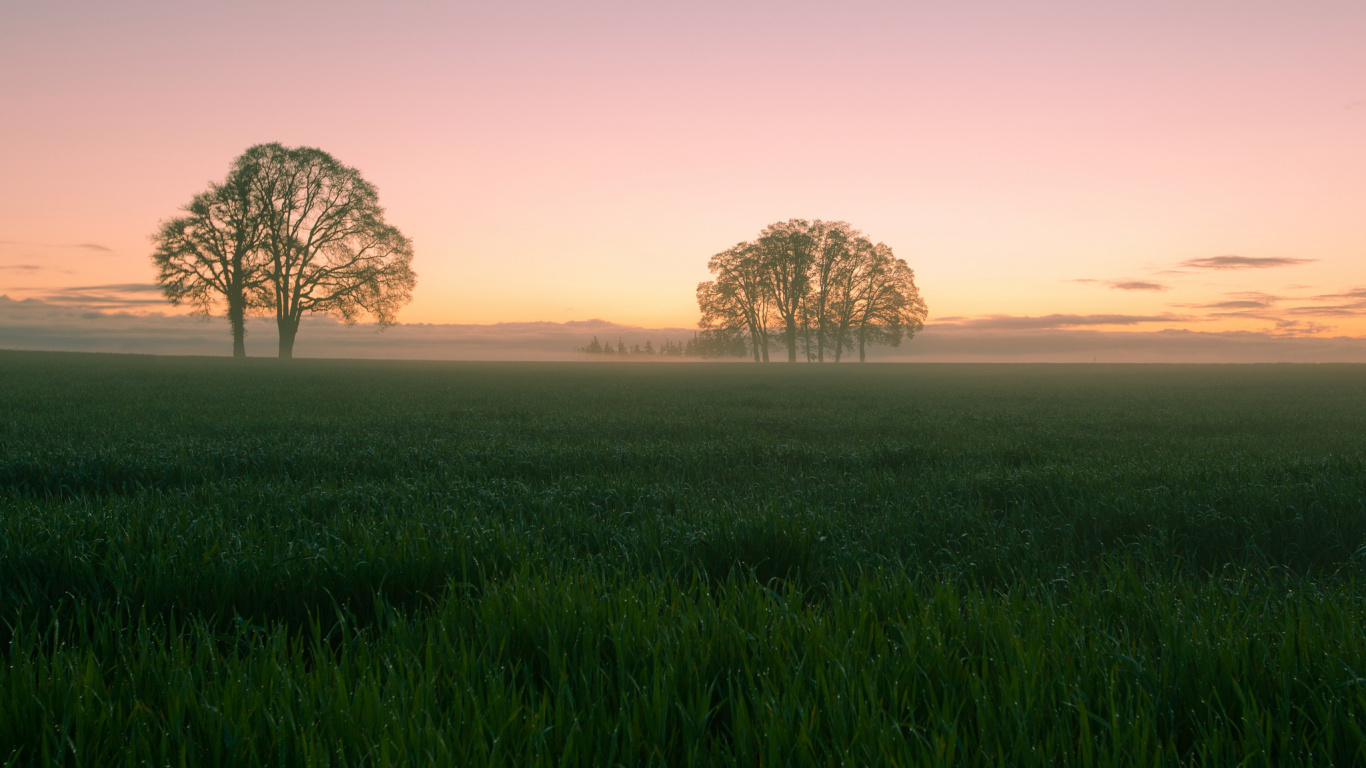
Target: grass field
pixel 206 562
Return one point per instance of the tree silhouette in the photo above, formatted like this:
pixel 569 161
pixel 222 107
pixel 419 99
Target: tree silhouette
pixel 737 301
pixel 826 285
pixel 830 269
pixel 327 247
pixel 887 305
pixel 211 255
pixel 785 256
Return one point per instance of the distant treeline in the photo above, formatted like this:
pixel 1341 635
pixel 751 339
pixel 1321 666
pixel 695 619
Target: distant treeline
pixel 704 344
pixel 815 287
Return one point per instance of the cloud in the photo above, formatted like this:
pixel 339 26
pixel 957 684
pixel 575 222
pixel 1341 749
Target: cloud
pixel 1018 322
pixel 1240 301
pixel 1124 285
pixel 1242 262
pixel 120 288
pixel 82 246
pixel 1254 305
pixel 116 295
pixel 1136 285
pixel 1301 328
pixel 103 302
pixel 1355 293
pixel 1356 104
pixel 22 267
pixel 1351 303
pixel 1340 310
pixel 1239 304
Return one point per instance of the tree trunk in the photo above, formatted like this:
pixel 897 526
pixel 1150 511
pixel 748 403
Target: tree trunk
pixel 791 334
pixel 862 339
pixel 289 327
pixel 237 319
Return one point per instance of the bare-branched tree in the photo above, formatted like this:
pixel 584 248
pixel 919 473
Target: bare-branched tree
pixel 737 302
pixel 785 251
pixel 210 257
pixel 327 246
pixel 291 230
pixel 889 307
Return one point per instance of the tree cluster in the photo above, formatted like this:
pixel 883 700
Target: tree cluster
pixel 704 344
pixel 814 287
pixel 289 231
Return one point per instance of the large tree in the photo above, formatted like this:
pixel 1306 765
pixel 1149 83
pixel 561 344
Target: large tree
pixel 327 247
pixel 210 256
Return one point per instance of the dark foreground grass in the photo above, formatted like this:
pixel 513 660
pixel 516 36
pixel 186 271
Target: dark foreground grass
pixel 345 563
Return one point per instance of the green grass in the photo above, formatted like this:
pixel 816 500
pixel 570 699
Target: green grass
pixel 364 563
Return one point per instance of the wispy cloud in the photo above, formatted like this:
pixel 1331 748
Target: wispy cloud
pixel 115 295
pixel 1301 328
pixel 1355 293
pixel 1339 310
pixel 82 246
pixel 1269 308
pixel 21 267
pixel 120 288
pixel 1124 285
pixel 1240 301
pixel 1242 262
pixel 1023 322
pixel 1136 285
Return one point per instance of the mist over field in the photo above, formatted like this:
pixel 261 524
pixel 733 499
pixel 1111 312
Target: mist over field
pixel 33 324
pixel 36 325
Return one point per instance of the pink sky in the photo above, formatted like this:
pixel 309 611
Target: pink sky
pixel 565 161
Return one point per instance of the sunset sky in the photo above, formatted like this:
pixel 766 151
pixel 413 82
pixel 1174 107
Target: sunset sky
pixel 1066 164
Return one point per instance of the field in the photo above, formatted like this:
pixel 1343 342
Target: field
pixel 205 562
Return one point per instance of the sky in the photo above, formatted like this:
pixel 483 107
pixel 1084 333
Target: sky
pixel 1061 165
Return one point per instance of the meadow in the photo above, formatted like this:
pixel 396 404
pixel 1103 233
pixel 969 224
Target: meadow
pixel 218 562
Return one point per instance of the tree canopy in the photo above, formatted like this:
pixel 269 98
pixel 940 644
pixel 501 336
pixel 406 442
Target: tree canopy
pixel 823 287
pixel 291 231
